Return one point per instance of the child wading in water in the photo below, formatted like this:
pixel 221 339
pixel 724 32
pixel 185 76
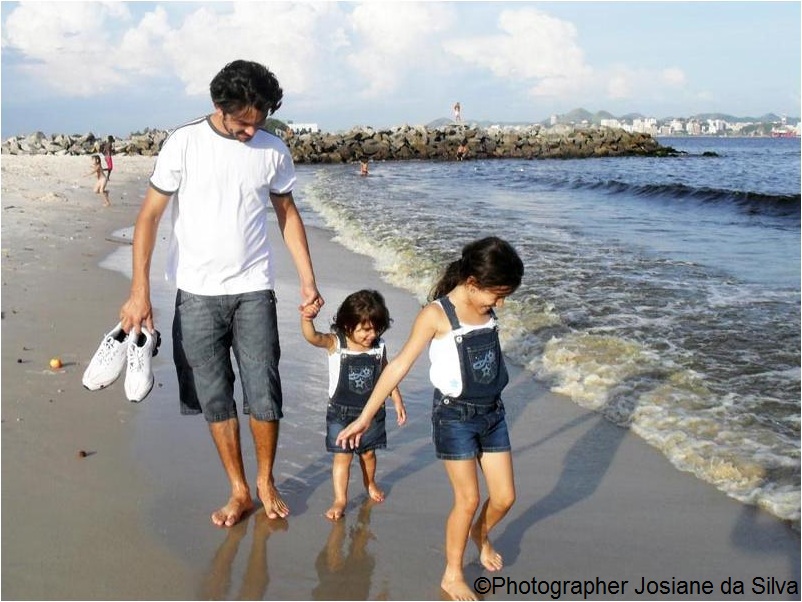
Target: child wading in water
pixel 356 358
pixel 102 180
pixel 468 373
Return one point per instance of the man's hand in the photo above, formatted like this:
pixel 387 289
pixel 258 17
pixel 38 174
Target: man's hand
pixel 134 313
pixel 310 297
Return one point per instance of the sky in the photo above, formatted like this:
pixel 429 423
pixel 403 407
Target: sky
pixel 120 67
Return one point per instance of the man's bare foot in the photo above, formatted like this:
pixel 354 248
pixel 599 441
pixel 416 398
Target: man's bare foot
pixel 376 494
pixel 488 556
pixel 230 514
pixel 454 585
pixel 336 512
pixel 271 500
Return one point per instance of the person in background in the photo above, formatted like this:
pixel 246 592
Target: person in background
pixel 457 112
pixel 468 420
pixel 221 170
pixel 363 167
pixel 462 150
pixel 108 154
pixel 102 181
pixel 357 355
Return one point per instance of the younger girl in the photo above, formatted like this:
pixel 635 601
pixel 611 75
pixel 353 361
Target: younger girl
pixel 468 373
pixel 102 180
pixel 356 358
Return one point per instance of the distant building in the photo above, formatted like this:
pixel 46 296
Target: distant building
pixel 693 128
pixel 304 128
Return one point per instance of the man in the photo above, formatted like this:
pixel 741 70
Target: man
pixel 220 171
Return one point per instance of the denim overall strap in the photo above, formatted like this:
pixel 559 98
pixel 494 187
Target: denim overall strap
pixel 484 374
pixel 358 374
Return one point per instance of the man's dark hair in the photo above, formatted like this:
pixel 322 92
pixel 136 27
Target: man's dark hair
pixel 244 84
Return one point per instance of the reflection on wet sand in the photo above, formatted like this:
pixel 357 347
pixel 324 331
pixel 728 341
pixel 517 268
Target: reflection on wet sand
pixel 347 575
pixel 217 582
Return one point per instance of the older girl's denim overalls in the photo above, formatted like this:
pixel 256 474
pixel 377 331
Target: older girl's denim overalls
pixel 466 426
pixel 358 375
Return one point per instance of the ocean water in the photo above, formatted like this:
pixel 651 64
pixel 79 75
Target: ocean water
pixel 663 293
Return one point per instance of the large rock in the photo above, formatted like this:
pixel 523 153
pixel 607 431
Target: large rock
pixel 399 143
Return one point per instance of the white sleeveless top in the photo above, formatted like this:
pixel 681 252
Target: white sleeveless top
pixel 334 361
pixel 444 371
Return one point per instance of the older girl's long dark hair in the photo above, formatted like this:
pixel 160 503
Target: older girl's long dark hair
pixel 491 261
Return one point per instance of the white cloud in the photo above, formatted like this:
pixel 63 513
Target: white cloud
pixel 532 47
pixel 287 37
pixel 395 39
pixel 673 76
pixel 82 49
pixel 330 57
pixel 139 49
pixel 623 82
pixel 67 44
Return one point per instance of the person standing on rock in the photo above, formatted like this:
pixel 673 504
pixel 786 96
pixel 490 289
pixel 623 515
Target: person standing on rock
pixel 457 113
pixel 220 171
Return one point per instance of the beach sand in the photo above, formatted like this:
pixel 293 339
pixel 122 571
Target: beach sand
pixel 130 520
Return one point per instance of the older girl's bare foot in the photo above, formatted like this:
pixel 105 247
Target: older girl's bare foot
pixel 454 585
pixel 336 512
pixel 230 514
pixel 271 500
pixel 376 494
pixel 488 556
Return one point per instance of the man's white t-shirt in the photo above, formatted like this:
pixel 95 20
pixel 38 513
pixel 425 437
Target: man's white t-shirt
pixel 221 195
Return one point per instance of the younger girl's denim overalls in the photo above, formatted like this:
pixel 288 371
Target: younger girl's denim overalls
pixel 358 375
pixel 473 423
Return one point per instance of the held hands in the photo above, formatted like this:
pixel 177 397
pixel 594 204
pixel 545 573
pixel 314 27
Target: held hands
pixel 310 297
pixel 309 312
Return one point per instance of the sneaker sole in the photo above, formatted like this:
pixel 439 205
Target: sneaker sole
pixel 150 388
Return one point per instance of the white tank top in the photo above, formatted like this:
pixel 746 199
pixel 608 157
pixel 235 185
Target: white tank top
pixel 334 361
pixel 444 371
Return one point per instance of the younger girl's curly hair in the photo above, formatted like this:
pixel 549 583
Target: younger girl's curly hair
pixel 362 306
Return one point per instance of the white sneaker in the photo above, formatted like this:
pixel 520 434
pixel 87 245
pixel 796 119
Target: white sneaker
pixel 108 362
pixel 139 377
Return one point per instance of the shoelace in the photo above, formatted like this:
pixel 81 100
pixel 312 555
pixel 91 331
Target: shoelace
pixel 136 360
pixel 107 354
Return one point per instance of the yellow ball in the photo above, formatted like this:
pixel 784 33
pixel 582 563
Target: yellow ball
pixel 55 363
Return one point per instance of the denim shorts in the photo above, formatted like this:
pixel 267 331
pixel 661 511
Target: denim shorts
pixel 205 331
pixel 462 430
pixel 339 416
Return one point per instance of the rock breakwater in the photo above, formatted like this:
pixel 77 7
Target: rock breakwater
pixel 399 143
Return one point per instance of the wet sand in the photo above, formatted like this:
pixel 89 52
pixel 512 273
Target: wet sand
pixel 130 520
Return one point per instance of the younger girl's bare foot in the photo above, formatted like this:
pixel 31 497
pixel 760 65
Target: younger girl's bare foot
pixel 454 585
pixel 230 514
pixel 488 556
pixel 336 512
pixel 376 494
pixel 272 502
